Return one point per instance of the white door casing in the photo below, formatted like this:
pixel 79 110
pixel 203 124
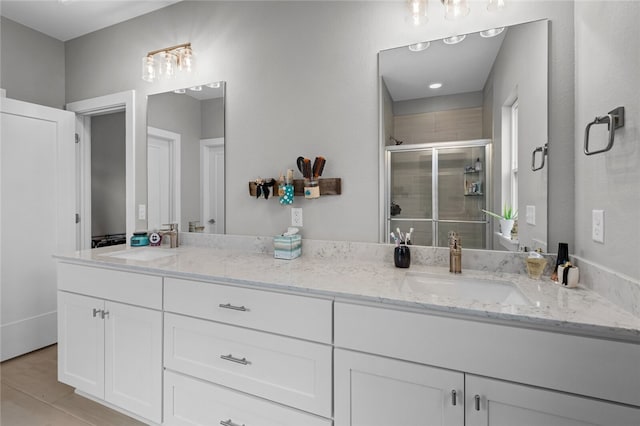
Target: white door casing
pixel 37 206
pixel 84 110
pixel 163 177
pixel 212 185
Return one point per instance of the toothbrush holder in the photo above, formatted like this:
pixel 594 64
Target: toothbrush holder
pixel 402 256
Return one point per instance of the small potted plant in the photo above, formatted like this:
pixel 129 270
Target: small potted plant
pixel 507 219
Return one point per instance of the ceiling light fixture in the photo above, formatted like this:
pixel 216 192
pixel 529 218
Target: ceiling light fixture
pixel 453 9
pixel 166 62
pixel 435 85
pixel 491 32
pixel 454 39
pixel 419 47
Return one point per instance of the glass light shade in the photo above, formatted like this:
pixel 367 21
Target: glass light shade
pixel 417 12
pixel 419 47
pixel 455 9
pixel 494 5
pixel 148 69
pixel 196 88
pixel 168 65
pixel 186 60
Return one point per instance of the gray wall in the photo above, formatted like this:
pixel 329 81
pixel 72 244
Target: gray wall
pixel 108 211
pixel 607 76
pixel 438 103
pixel 182 114
pixel 520 70
pixel 31 65
pixel 319 60
pixel 212 118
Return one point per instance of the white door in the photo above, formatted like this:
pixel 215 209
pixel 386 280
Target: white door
pixel 81 343
pixel 212 184
pixel 371 390
pixel 133 359
pixel 163 177
pixel 37 220
pixel 496 403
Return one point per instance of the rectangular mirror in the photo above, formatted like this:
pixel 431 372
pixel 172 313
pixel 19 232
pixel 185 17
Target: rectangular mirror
pixel 461 119
pixel 185 159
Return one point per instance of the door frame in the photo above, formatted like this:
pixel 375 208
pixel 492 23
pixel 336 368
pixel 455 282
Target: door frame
pixel 205 191
pixel 174 140
pixel 85 109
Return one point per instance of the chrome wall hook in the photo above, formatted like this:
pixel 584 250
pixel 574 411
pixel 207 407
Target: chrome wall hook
pixel 614 120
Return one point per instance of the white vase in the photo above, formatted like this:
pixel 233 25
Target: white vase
pixel 506 225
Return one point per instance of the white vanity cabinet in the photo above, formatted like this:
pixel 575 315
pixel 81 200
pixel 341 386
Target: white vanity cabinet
pixel 110 337
pixel 237 356
pixel 412 362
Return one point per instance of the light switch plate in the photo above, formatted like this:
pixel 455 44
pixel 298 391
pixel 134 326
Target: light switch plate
pixel 597 226
pixel 142 211
pixel 531 215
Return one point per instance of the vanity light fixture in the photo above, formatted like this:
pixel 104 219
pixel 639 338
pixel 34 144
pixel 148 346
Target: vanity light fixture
pixel 435 85
pixel 419 47
pixel 453 9
pixel 196 88
pixel 180 91
pixel 166 62
pixel 491 32
pixel 214 85
pixel 454 39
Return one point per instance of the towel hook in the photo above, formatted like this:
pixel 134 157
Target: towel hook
pixel 614 120
pixel 543 150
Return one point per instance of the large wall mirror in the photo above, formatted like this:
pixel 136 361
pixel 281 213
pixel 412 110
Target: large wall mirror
pixel 461 119
pixel 185 159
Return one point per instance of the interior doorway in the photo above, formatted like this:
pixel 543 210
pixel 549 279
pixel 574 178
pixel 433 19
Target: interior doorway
pixel 212 185
pixel 85 110
pixel 163 178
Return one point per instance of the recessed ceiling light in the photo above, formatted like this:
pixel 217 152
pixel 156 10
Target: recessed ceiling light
pixel 418 47
pixel 491 33
pixel 454 39
pixel 435 85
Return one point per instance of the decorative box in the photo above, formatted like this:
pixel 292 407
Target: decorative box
pixel 287 247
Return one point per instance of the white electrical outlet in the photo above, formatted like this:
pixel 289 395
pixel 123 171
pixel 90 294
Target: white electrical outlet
pixel 296 216
pixel 142 211
pixel 597 226
pixel 531 215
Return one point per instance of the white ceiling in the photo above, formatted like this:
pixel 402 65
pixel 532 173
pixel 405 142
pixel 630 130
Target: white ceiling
pixel 68 19
pixel 461 68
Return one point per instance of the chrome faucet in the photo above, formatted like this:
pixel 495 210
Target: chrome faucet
pixel 172 232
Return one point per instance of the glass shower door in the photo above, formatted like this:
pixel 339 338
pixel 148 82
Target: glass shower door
pixel 461 195
pixel 411 194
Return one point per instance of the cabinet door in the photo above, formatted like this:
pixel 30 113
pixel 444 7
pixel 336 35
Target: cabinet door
pixel 133 359
pixel 495 403
pixel 371 390
pixel 81 343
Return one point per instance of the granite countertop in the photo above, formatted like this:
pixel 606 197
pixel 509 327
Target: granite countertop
pixel 575 311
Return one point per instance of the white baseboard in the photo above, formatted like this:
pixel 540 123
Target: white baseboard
pixel 29 334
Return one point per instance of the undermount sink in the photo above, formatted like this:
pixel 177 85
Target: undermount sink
pixel 469 289
pixel 141 253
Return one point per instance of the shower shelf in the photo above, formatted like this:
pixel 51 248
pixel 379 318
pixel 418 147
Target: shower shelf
pixel 328 186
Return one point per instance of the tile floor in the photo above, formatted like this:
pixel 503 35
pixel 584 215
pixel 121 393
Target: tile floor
pixel 32 396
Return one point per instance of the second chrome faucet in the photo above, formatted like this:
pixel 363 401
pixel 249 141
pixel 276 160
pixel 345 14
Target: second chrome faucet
pixel 172 233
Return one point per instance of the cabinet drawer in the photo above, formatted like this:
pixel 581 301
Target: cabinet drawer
pixel 189 401
pixel 297 316
pixel 588 366
pixel 282 369
pixel 120 286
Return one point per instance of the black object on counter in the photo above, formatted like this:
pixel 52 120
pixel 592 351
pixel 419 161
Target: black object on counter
pixel 402 256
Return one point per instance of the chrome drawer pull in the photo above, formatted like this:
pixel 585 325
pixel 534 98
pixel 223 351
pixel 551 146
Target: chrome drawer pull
pixel 229 423
pixel 235 308
pixel 231 358
pixel 454 397
pixel 477 401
